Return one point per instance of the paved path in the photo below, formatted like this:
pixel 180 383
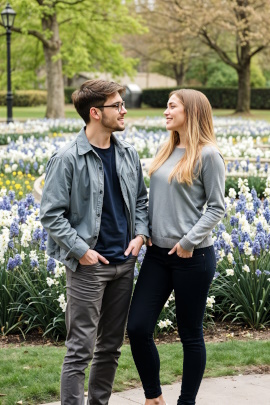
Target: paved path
pixel 251 389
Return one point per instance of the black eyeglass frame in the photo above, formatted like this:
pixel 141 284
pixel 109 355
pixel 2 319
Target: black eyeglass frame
pixel 119 105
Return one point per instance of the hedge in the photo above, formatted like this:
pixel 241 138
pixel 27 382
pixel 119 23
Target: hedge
pixel 31 98
pixel 25 98
pixel 156 98
pixel 218 97
pixel 68 93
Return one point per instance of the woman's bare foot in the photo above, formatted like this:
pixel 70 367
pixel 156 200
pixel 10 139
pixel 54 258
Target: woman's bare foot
pixel 156 401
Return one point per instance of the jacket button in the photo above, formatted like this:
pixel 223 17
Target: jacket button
pixel 100 168
pixel 95 237
pixel 98 215
pixel 100 192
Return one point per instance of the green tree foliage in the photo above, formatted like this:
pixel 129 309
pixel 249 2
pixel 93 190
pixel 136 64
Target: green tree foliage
pixel 257 78
pixel 26 61
pixel 76 35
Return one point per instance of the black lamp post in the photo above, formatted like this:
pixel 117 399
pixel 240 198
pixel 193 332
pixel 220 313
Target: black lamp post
pixel 8 17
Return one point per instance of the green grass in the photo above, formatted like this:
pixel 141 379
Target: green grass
pixel 23 113
pixel 32 374
pixel 254 114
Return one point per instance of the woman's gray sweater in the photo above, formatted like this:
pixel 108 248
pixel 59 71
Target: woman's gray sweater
pixel 176 211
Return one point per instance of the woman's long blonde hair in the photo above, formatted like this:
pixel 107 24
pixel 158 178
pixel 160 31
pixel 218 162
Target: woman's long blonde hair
pixel 199 132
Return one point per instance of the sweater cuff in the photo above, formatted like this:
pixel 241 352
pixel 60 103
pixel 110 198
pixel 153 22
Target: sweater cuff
pixel 186 244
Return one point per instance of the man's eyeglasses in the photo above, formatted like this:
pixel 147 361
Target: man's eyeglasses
pixel 118 106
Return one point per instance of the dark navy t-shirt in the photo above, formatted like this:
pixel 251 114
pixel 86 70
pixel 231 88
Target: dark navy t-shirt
pixel 113 238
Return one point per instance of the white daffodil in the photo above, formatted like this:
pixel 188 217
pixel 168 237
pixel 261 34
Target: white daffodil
pixel 246 268
pixel 210 301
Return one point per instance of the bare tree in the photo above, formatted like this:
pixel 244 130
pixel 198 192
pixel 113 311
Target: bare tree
pixel 244 24
pixel 165 47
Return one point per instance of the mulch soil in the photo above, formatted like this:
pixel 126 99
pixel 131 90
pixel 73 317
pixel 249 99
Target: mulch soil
pixel 222 332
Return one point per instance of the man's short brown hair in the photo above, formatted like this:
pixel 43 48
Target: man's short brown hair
pixel 93 93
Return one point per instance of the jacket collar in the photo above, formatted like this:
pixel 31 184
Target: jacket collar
pixel 84 146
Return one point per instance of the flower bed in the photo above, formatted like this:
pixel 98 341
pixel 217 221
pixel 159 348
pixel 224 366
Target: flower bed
pixel 16 184
pixel 242 243
pixel 29 155
pixel 240 291
pixel 37 128
pixel 32 285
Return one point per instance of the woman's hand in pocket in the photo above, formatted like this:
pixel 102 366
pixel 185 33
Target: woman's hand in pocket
pixel 180 251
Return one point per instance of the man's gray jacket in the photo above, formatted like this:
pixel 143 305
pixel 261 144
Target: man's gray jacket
pixel 72 198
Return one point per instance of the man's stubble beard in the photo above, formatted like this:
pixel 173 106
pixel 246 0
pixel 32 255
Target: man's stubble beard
pixel 111 124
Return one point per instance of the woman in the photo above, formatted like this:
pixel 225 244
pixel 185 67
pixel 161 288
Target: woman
pixel 187 172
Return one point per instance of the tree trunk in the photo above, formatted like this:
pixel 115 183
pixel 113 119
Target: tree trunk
pixel 55 82
pixel 243 97
pixel 180 79
pixel 179 73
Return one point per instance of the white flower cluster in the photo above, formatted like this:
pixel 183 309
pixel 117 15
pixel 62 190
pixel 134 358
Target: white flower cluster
pixel 32 151
pixel 62 302
pixel 41 126
pixel 210 301
pixel 222 126
pixel 164 324
pixel 242 147
pixel 4 239
pixel 58 272
pixel 246 268
pixel 266 192
pixel 171 298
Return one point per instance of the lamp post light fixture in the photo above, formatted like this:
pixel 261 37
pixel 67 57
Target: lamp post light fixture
pixel 8 17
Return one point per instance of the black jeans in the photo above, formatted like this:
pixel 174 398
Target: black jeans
pixel 190 279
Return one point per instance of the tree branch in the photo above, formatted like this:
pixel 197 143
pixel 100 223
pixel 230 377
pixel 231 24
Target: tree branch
pixel 258 50
pixel 64 21
pixel 73 3
pixel 34 33
pixel 223 55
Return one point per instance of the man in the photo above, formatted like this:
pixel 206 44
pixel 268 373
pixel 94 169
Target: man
pixel 94 210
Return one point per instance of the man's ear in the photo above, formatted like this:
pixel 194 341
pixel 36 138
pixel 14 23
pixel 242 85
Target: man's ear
pixel 94 113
